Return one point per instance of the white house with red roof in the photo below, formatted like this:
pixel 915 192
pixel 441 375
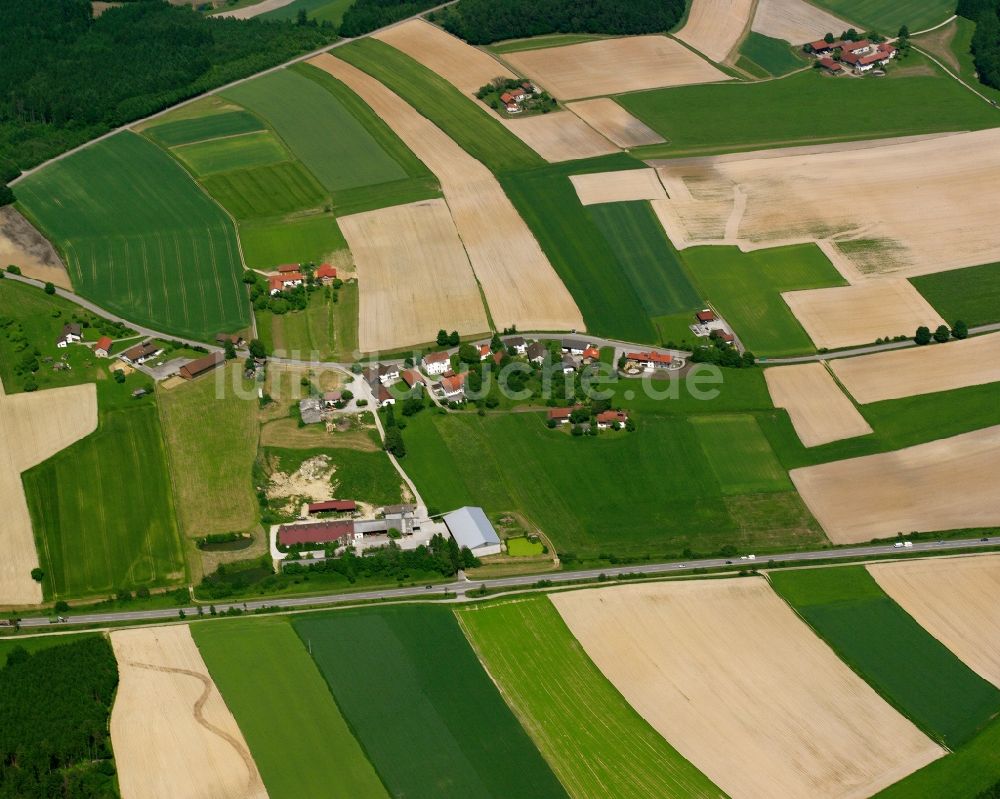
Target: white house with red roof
pixel 453 386
pixel 651 361
pixel 437 363
pixel 325 273
pixel 288 280
pixel 102 349
pixel 607 419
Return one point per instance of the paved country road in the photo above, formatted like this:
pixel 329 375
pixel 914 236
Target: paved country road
pixel 524 581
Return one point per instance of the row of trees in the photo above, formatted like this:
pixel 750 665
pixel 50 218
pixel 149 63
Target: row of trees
pixel 485 21
pixel 442 555
pixel 924 335
pixel 364 16
pixel 54 708
pixel 986 39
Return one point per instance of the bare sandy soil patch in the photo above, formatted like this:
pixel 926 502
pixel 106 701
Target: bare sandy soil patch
pixel 612 66
pixel 843 316
pixel 922 370
pixel 98 7
pixel 413 274
pixel 948 224
pixel 949 484
pixel 795 21
pixel 519 283
pixel 819 410
pixel 955 600
pixel 171 730
pixel 715 27
pixel 33 427
pixel 618 187
pixel 612 121
pixel 23 246
pixel 738 684
pixel 248 12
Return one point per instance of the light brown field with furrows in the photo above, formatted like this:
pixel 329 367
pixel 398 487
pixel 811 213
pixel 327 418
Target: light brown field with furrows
pixel 414 276
pixel 741 687
pixel 24 247
pixel 558 136
pixel 819 410
pixel 612 66
pixel 955 600
pixel 933 200
pixel 921 370
pixel 949 484
pixel 615 123
pixel 795 21
pixel 171 730
pixel 843 316
pixel 33 427
pixel 715 27
pixel 520 285
pixel 618 187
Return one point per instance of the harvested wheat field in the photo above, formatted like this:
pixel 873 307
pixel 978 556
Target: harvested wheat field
pixel 949 484
pixel 171 730
pixel 23 246
pixel 33 428
pixel 618 187
pixel 559 136
pixel 715 27
pixel 843 316
pixel 615 123
pixel 612 66
pixel 413 274
pixel 921 370
pixel 955 600
pixel 771 196
pixel 795 21
pixel 741 687
pixel 520 285
pixel 819 410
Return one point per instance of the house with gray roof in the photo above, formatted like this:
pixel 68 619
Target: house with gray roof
pixel 470 528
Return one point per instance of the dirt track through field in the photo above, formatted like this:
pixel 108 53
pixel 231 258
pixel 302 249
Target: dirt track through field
pixel 520 285
pixel 615 123
pixel 845 316
pixel 738 684
pixel 819 410
pixel 795 21
pixel 949 484
pixel 33 427
pixel 715 27
pixel 944 218
pixel 23 246
pixel 955 600
pixel 922 370
pixel 172 732
pixel 612 66
pixel 618 187
pixel 413 274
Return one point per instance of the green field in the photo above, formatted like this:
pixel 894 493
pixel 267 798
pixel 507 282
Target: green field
pixel 140 238
pixel 594 740
pixel 359 474
pixel 285 711
pixel 266 191
pixel 324 330
pixel 803 109
pixel 668 496
pixel 966 773
pixel 774 56
pixel 431 720
pixel 305 239
pixel 585 260
pixel 102 509
pixel 475 131
pixel 648 259
pixel 898 657
pixel 245 151
pixel 971 294
pixel 202 128
pixel 521 547
pixel 739 454
pixel 331 11
pixel 745 287
pixel 885 16
pixel 211 434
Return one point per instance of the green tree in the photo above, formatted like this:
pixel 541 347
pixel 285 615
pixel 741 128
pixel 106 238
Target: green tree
pixel 14 270
pixel 828 38
pixel 50 288
pixel 257 348
pixel 468 354
pixel 37 574
pixel 442 338
pixel 454 339
pixel 904 32
pixel 230 349
pixel 923 335
pixel 394 442
pixel 62 606
pixel 960 329
pixel 119 376
pixel 942 334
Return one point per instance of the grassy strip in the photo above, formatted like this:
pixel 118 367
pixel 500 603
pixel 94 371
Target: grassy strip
pixel 593 739
pixel 971 294
pixel 475 131
pixel 901 660
pixel 202 128
pixel 246 151
pixel 539 42
pixel 284 710
pixel 436 727
pixel 266 191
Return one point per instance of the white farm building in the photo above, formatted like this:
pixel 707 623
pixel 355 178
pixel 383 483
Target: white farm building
pixel 470 528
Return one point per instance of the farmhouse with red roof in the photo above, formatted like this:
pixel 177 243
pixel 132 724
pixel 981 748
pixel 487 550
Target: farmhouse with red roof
pixel 103 347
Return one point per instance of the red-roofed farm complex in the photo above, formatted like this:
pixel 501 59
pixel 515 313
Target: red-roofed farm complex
pixel 860 56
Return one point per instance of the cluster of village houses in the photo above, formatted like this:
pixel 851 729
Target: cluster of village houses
pixel 861 56
pixel 289 276
pixel 512 98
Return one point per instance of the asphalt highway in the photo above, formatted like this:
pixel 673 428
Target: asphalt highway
pixel 460 588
